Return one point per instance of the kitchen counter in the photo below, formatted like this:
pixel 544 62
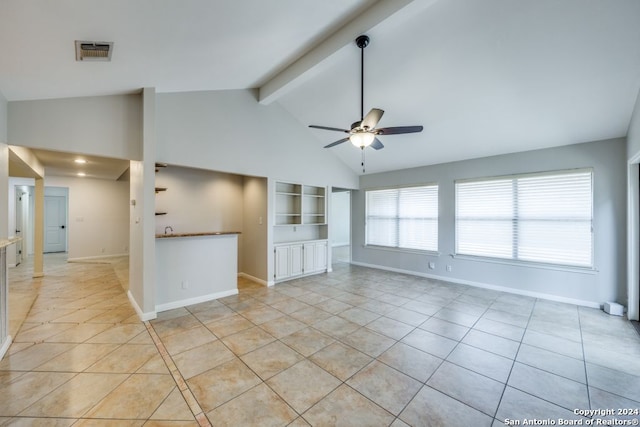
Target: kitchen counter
pixel 203 233
pixel 6 242
pixel 192 268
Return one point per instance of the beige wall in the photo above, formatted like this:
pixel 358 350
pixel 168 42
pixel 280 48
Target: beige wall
pixel 98 216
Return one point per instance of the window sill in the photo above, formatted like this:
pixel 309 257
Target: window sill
pixel 529 264
pixel 402 250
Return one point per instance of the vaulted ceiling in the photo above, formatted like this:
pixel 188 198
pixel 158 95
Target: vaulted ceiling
pixel 483 77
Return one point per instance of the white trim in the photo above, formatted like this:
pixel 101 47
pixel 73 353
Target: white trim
pixel 633 238
pixel 485 285
pixel 253 279
pixel 270 283
pixel 5 346
pixel 195 300
pixel 97 257
pixel 142 315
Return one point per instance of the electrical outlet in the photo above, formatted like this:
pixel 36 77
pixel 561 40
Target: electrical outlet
pixel 432 265
pixel 449 268
pixel 185 284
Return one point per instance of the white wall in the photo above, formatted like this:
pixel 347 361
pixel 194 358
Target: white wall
pixel 3 119
pixel 608 283
pixel 633 214
pixel 107 126
pixel 230 131
pixel 633 134
pixel 98 216
pixel 4 169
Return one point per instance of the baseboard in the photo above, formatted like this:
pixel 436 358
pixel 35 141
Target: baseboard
pixel 195 300
pixel 5 346
pixel 485 285
pixel 142 315
pixel 95 258
pixel 253 279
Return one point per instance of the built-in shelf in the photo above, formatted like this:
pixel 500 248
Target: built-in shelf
pixel 160 189
pixel 298 204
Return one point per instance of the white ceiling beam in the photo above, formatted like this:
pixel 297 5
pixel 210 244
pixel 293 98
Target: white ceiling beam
pixel 308 64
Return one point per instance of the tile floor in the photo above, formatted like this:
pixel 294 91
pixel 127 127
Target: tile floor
pixel 354 347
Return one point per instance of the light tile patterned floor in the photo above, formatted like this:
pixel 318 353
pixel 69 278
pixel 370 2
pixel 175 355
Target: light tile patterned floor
pixel 354 347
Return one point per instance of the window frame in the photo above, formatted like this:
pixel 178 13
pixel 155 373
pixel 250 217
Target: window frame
pixel 564 265
pixel 398 220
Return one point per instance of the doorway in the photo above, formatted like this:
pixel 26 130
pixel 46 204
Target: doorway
pixel 21 211
pixel 55 219
pixel 340 225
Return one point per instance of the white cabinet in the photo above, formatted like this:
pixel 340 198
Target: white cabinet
pixel 296 267
pixel 315 257
pixel 300 259
pixel 289 262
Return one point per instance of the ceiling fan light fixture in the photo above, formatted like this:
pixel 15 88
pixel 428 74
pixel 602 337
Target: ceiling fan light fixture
pixel 362 139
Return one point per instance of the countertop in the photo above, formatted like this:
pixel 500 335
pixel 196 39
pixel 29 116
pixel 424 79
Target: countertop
pixel 6 242
pixel 203 233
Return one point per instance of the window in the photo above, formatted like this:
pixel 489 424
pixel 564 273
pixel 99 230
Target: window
pixel 403 218
pixel 539 217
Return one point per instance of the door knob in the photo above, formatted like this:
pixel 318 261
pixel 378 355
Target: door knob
pixel 62 226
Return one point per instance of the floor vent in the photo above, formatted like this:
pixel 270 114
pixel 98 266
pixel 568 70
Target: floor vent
pixel 93 51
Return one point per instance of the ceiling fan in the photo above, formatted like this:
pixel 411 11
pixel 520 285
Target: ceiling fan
pixel 364 133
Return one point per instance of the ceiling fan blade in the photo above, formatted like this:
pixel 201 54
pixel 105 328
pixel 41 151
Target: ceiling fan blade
pixel 377 145
pixel 372 118
pixel 398 130
pixel 328 128
pixel 340 141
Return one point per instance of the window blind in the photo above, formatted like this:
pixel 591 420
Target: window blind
pixel 403 217
pixel 542 218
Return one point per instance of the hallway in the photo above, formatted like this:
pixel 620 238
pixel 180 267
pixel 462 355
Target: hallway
pixel 82 352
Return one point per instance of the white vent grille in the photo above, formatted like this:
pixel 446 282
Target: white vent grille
pixel 93 51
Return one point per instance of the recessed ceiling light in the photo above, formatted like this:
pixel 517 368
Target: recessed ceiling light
pixel 82 174
pixel 80 161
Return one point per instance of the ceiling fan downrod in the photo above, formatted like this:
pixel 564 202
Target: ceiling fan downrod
pixel 362 42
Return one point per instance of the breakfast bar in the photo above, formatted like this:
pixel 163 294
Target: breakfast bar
pixel 195 267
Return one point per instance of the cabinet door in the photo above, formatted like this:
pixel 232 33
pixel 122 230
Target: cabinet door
pixel 295 260
pixel 282 262
pixel 309 257
pixel 320 256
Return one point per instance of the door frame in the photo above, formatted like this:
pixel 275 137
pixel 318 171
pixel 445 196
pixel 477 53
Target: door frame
pixel 64 193
pixel 633 238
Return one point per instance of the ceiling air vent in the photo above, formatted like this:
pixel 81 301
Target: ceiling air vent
pixel 93 51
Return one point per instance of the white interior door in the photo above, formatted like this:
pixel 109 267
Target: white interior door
pixel 55 224
pixel 19 225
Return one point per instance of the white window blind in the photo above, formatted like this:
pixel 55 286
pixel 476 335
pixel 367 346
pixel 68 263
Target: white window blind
pixel 542 218
pixel 403 217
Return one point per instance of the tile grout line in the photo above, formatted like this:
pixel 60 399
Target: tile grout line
pixel 188 396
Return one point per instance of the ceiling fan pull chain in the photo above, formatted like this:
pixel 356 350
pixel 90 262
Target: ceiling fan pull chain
pixel 362 148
